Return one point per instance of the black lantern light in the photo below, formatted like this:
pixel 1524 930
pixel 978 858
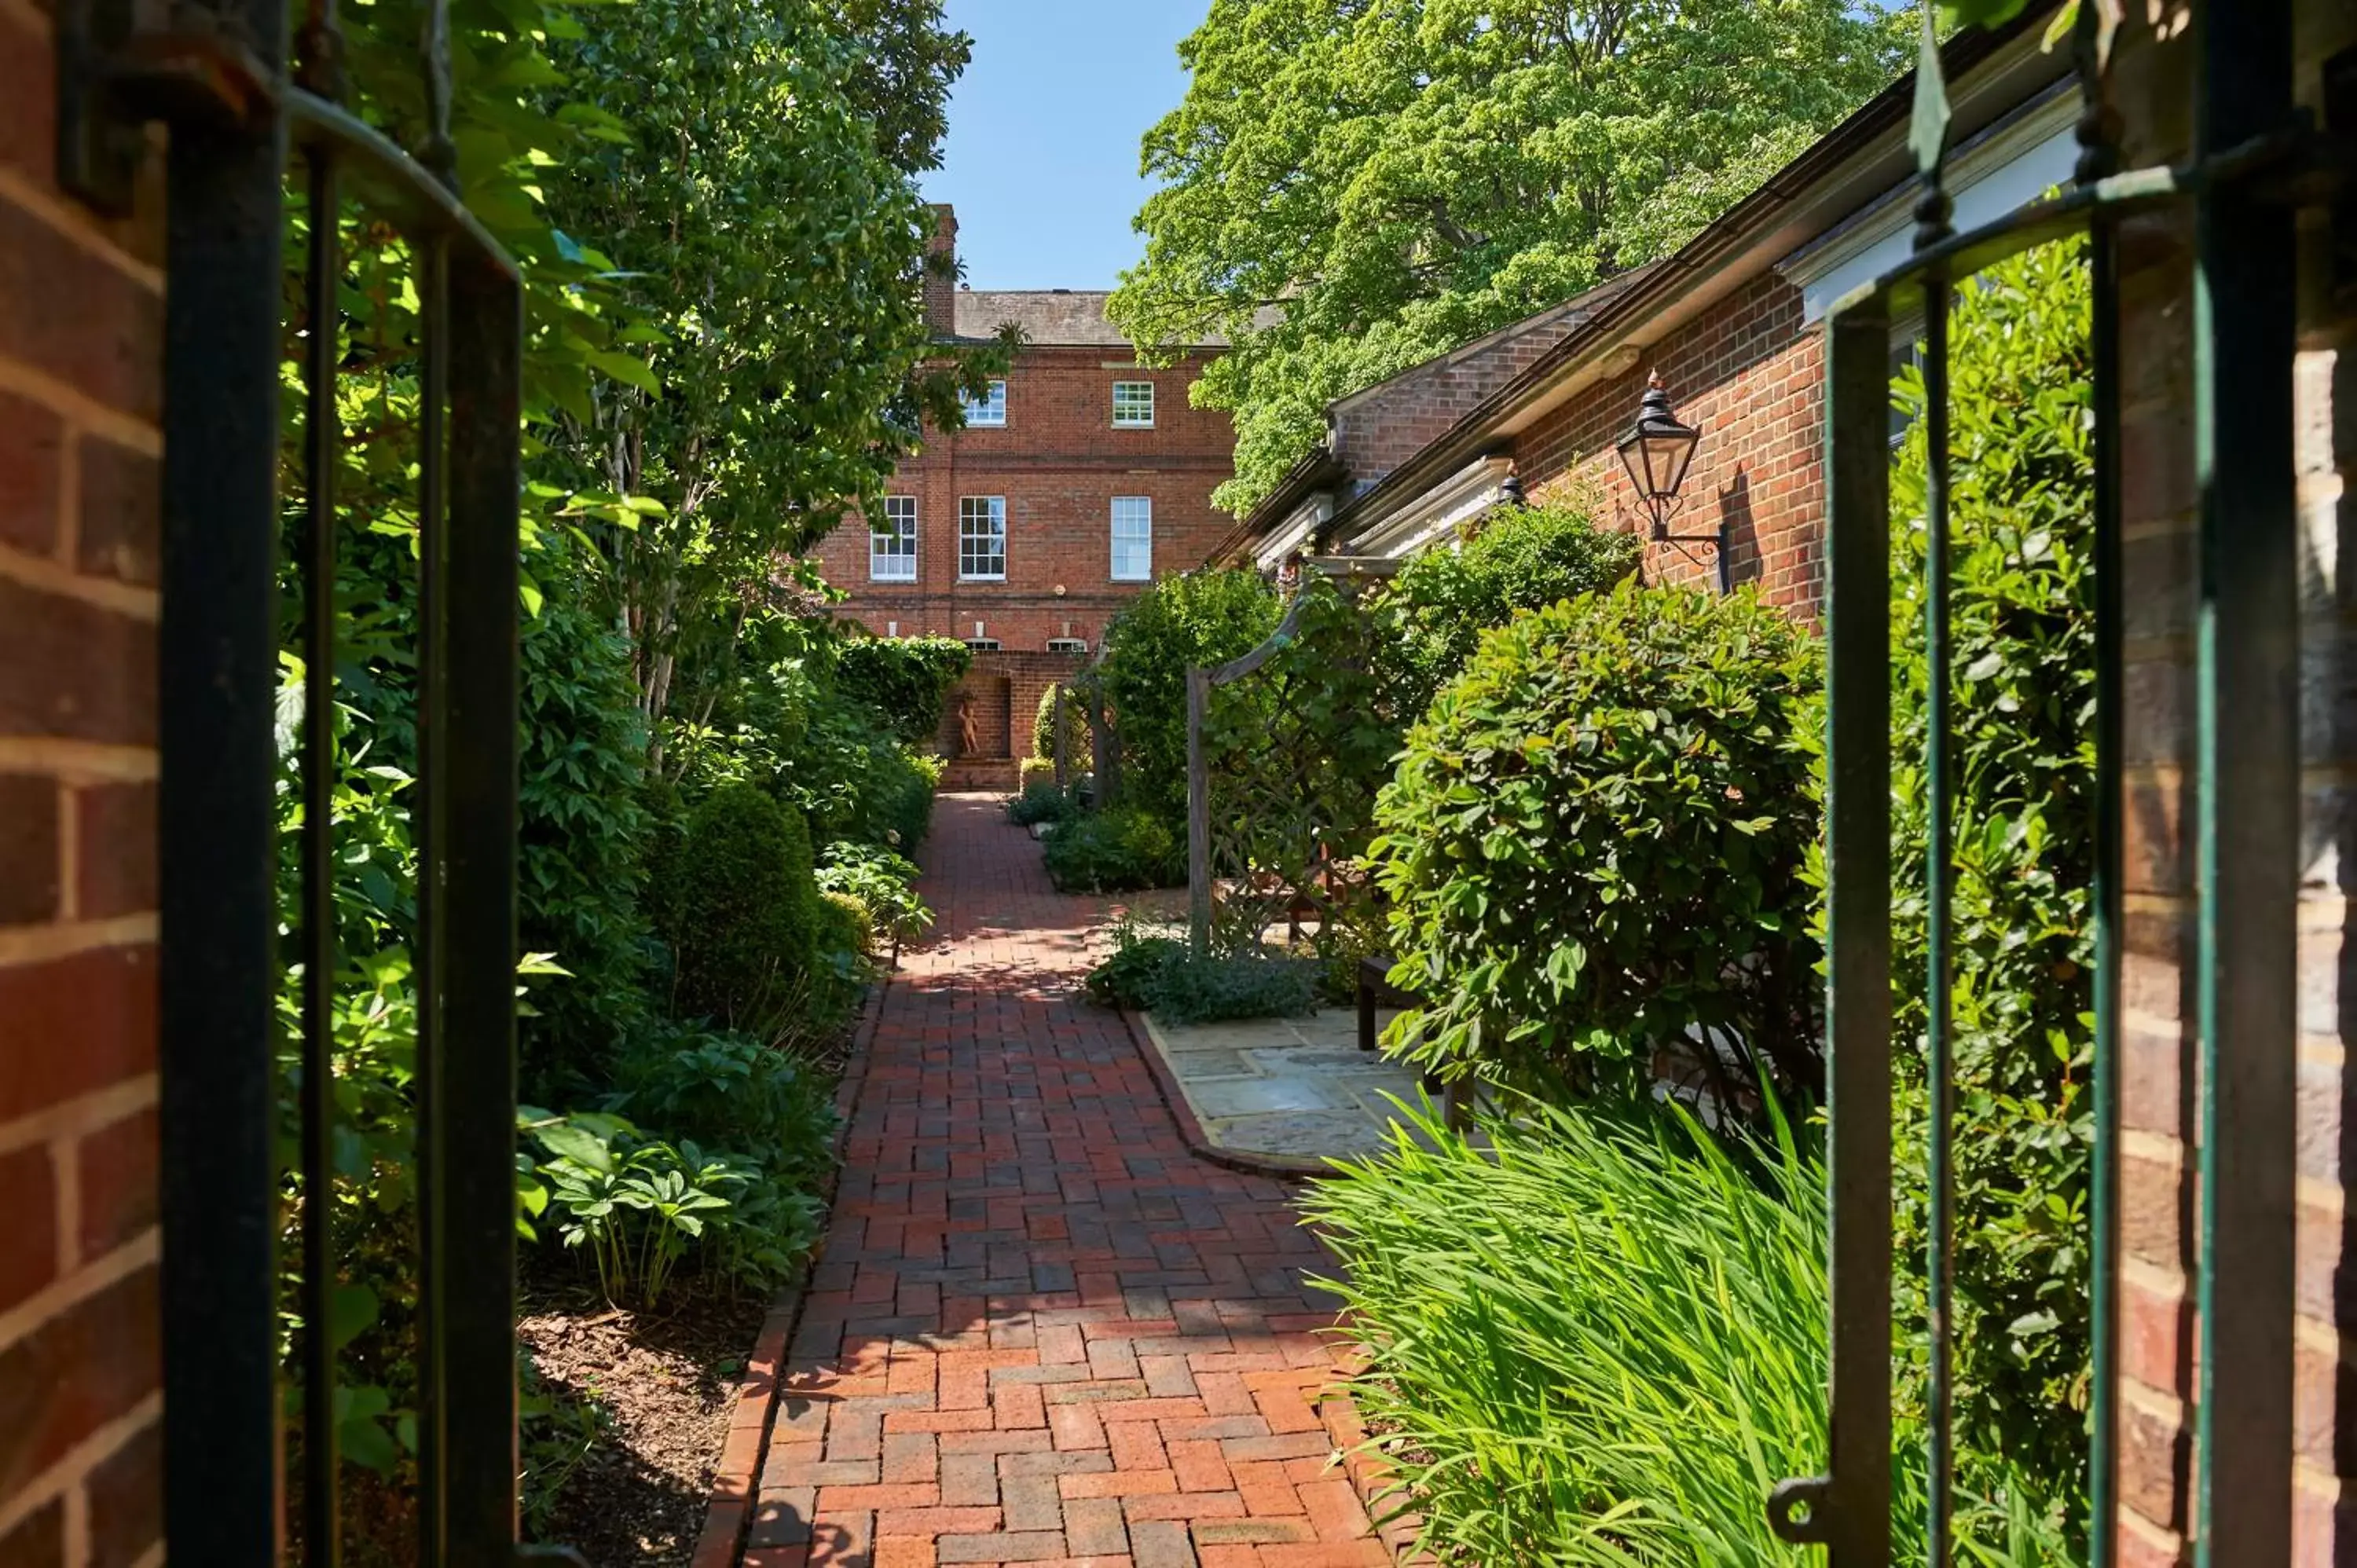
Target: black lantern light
pixel 1657 451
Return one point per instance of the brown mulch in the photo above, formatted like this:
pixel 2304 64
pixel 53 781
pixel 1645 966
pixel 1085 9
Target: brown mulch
pixel 665 1382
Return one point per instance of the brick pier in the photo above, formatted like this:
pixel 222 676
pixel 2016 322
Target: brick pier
pixel 1043 1332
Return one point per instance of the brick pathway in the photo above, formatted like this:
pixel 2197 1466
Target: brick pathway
pixel 1043 1332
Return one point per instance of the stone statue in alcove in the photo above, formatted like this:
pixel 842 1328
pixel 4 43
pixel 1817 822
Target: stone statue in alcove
pixel 968 733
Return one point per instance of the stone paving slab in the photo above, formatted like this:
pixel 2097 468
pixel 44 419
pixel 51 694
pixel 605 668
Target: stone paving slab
pixel 1042 1329
pixel 1298 1090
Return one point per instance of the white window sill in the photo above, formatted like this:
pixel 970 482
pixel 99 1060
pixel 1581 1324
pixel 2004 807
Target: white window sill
pixel 984 577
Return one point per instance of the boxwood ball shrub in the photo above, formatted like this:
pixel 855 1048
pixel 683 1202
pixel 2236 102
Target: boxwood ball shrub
pixel 1595 840
pixel 743 909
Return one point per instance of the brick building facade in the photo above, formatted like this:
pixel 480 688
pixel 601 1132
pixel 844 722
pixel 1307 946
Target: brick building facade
pixel 1086 477
pixel 80 437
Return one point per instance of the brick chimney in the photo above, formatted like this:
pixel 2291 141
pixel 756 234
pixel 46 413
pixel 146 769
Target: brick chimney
pixel 941 272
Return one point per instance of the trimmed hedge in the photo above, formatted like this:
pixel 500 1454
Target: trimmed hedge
pixel 906 678
pixel 1595 842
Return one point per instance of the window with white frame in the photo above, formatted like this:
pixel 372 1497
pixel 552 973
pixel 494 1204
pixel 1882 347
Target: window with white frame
pixel 989 411
pixel 892 541
pixel 982 539
pixel 1133 539
pixel 1132 406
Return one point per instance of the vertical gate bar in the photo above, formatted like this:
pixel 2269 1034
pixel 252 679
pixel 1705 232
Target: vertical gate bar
pixel 1939 755
pixel 321 1528
pixel 2245 283
pixel 218 962
pixel 1198 815
pixel 1857 612
pixel 432 832
pixel 2097 162
pixel 479 944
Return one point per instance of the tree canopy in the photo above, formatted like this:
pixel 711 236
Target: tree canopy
pixel 1399 176
pixel 757 217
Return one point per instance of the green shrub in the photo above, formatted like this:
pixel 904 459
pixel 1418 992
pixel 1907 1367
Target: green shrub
pixel 905 679
pixel 1595 842
pixel 1431 617
pixel 1041 801
pixel 1117 850
pixel 846 944
pixel 1603 1342
pixel 730 1092
pixel 2022 620
pixel 885 884
pixel 1151 969
pixel 1201 618
pixel 1056 702
pixel 1223 987
pixel 743 910
pixel 581 829
pixel 858 780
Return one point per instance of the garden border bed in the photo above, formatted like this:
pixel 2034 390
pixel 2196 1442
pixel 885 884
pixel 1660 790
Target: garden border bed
pixel 736 1482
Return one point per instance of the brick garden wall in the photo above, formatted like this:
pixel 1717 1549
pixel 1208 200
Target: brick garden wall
pixel 2161 1108
pixel 1059 462
pixel 80 314
pixel 1751 376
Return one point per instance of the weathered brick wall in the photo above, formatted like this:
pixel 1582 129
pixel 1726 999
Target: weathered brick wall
pixel 1383 426
pixel 1059 461
pixel 1007 687
pixel 81 310
pixel 2161 1096
pixel 1750 376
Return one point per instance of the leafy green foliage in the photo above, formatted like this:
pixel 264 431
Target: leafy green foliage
pixel 2023 641
pixel 759 228
pixel 1202 618
pixel 1059 704
pixel 741 912
pixel 1397 177
pixel 1042 800
pixel 1152 969
pixel 1431 617
pixel 730 1092
pixel 906 678
pixel 1594 845
pixel 1119 849
pixel 884 884
pixel 1602 1342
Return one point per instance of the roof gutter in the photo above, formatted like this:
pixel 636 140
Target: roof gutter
pixel 1822 172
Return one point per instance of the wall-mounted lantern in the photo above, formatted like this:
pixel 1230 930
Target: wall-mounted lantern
pixel 1657 452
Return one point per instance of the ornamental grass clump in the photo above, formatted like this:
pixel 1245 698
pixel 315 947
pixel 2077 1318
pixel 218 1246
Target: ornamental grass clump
pixel 1594 847
pixel 1597 1339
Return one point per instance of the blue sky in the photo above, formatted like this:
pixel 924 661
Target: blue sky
pixel 1044 127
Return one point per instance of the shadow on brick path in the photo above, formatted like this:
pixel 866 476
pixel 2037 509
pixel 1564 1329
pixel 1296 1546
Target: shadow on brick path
pixel 1043 1332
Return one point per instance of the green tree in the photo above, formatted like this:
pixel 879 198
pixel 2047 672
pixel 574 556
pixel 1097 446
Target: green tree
pixel 769 234
pixel 1399 176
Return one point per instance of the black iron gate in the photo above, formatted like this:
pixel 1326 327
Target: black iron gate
pixel 216 73
pixel 2245 794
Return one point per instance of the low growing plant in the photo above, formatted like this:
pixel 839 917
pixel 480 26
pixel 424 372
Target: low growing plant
pixel 1119 849
pixel 1602 1341
pixel 1042 800
pixel 884 883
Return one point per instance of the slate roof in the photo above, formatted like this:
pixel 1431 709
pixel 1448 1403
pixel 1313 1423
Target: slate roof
pixel 1051 318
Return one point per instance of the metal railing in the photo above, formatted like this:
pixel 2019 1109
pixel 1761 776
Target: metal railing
pixel 216 74
pixel 2245 788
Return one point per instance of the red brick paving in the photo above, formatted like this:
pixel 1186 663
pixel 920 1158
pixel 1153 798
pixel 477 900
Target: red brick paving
pixel 1043 1332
